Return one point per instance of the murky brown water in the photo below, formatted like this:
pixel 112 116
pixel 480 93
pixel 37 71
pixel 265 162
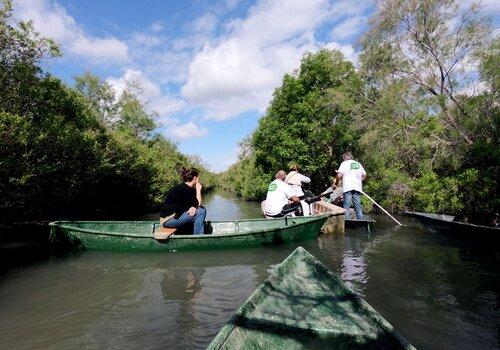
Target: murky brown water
pixel 439 291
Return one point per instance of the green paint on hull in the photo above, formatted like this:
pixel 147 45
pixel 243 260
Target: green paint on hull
pixel 138 235
pixel 303 305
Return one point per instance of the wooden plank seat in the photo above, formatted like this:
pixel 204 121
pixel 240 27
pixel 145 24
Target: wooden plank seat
pixel 163 233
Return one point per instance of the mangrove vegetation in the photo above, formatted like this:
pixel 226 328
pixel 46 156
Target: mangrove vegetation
pixel 419 109
pixel 75 151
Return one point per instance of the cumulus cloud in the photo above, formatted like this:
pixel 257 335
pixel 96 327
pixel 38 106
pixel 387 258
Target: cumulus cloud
pixel 164 104
pixel 346 49
pixel 185 131
pixel 239 72
pixel 52 20
pixel 205 23
pixel 349 28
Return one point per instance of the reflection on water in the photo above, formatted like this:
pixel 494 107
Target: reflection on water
pixel 439 291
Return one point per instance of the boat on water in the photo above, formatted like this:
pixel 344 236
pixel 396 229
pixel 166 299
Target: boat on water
pixel 363 223
pixel 140 235
pixel 334 224
pixel 304 305
pixel 445 223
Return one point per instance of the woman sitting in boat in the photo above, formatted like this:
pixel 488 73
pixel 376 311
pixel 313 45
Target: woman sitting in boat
pixel 182 204
pixel 295 180
pixel 335 194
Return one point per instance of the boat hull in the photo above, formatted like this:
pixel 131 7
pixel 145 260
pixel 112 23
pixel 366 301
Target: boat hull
pixel 445 223
pixel 281 231
pixel 303 305
pixel 363 223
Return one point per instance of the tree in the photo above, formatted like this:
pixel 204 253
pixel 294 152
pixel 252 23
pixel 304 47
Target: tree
pixel 307 122
pixel 431 44
pixel 68 152
pixel 100 96
pixel 21 49
pixel 133 116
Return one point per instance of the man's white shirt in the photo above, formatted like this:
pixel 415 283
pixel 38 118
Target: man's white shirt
pixel 352 173
pixel 278 194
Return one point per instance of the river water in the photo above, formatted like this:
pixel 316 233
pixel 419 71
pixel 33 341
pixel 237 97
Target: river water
pixel 439 291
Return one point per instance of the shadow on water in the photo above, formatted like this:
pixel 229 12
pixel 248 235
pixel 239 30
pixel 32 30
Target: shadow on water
pixel 21 245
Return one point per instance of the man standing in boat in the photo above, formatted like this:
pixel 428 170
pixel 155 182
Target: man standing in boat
pixel 279 195
pixel 182 205
pixel 352 175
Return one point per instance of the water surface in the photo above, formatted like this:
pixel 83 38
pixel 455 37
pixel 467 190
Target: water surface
pixel 439 291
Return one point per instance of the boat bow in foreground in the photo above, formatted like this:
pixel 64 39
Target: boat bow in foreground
pixel 303 305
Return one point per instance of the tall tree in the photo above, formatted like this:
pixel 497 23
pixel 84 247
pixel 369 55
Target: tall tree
pixel 431 44
pixel 100 97
pixel 308 120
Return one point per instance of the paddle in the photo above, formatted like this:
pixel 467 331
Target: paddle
pixel 385 211
pixel 318 197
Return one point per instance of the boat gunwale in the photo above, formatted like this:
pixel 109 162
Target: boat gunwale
pixel 417 214
pixel 174 236
pixel 369 311
pixel 368 221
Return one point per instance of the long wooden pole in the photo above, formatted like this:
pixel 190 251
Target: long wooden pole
pixel 385 211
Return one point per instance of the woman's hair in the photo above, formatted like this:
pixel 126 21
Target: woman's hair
pixel 294 167
pixel 187 174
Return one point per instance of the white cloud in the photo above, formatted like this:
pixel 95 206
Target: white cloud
pixel 349 28
pixel 185 131
pixel 205 23
pixel 53 21
pixel 474 89
pixel 222 161
pixel 157 26
pixel 110 49
pixel 151 94
pixel 231 4
pixel 142 40
pixel 346 49
pixel 239 73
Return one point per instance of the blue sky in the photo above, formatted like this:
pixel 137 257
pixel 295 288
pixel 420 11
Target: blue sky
pixel 208 68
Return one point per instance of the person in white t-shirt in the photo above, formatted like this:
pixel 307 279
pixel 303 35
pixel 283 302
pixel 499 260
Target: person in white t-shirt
pixel 279 195
pixel 295 179
pixel 352 175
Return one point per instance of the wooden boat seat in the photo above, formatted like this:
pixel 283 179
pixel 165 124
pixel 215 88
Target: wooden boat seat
pixel 163 232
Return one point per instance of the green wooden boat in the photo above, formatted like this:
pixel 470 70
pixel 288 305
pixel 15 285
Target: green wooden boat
pixel 303 305
pixel 139 235
pixel 366 223
pixel 445 223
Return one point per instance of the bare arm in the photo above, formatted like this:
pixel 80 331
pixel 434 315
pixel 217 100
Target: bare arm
pixel 338 178
pixel 198 193
pixel 294 199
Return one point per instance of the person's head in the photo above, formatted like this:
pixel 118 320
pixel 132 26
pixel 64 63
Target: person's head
pixel 281 175
pixel 189 175
pixel 347 155
pixel 294 167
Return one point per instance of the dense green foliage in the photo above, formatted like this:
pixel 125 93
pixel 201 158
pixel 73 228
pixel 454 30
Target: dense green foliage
pixel 408 113
pixel 74 152
pixel 307 122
